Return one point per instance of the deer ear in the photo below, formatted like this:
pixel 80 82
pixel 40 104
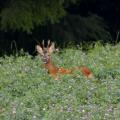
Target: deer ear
pixel 39 50
pixel 52 48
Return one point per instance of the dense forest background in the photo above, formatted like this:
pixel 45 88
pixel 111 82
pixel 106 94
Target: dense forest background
pixel 25 23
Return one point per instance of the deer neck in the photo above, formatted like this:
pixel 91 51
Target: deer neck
pixel 50 66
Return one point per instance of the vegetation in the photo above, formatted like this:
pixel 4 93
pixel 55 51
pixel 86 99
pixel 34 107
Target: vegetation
pixel 67 22
pixel 28 92
pixel 26 14
pixel 74 29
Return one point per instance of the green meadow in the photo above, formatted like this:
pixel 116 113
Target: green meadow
pixel 28 92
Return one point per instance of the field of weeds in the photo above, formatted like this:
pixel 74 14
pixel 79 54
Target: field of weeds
pixel 28 92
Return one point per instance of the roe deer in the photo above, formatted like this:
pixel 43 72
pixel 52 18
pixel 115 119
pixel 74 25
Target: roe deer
pixel 45 53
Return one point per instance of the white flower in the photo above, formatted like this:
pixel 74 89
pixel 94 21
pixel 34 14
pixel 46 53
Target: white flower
pixel 34 116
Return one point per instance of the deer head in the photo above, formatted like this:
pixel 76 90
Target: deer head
pixel 45 52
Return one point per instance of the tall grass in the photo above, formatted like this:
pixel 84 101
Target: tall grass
pixel 28 92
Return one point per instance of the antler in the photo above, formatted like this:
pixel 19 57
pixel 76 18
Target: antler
pixel 48 45
pixel 43 44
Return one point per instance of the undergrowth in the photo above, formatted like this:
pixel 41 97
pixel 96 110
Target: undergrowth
pixel 28 92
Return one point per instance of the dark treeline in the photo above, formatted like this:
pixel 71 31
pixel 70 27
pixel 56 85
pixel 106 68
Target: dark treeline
pixel 79 22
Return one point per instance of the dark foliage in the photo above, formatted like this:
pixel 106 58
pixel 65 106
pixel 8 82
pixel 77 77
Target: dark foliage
pixel 24 23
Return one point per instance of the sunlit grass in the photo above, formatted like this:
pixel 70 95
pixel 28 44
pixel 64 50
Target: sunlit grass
pixel 28 92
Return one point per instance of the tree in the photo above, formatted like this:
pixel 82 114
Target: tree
pixel 26 14
pixel 74 29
